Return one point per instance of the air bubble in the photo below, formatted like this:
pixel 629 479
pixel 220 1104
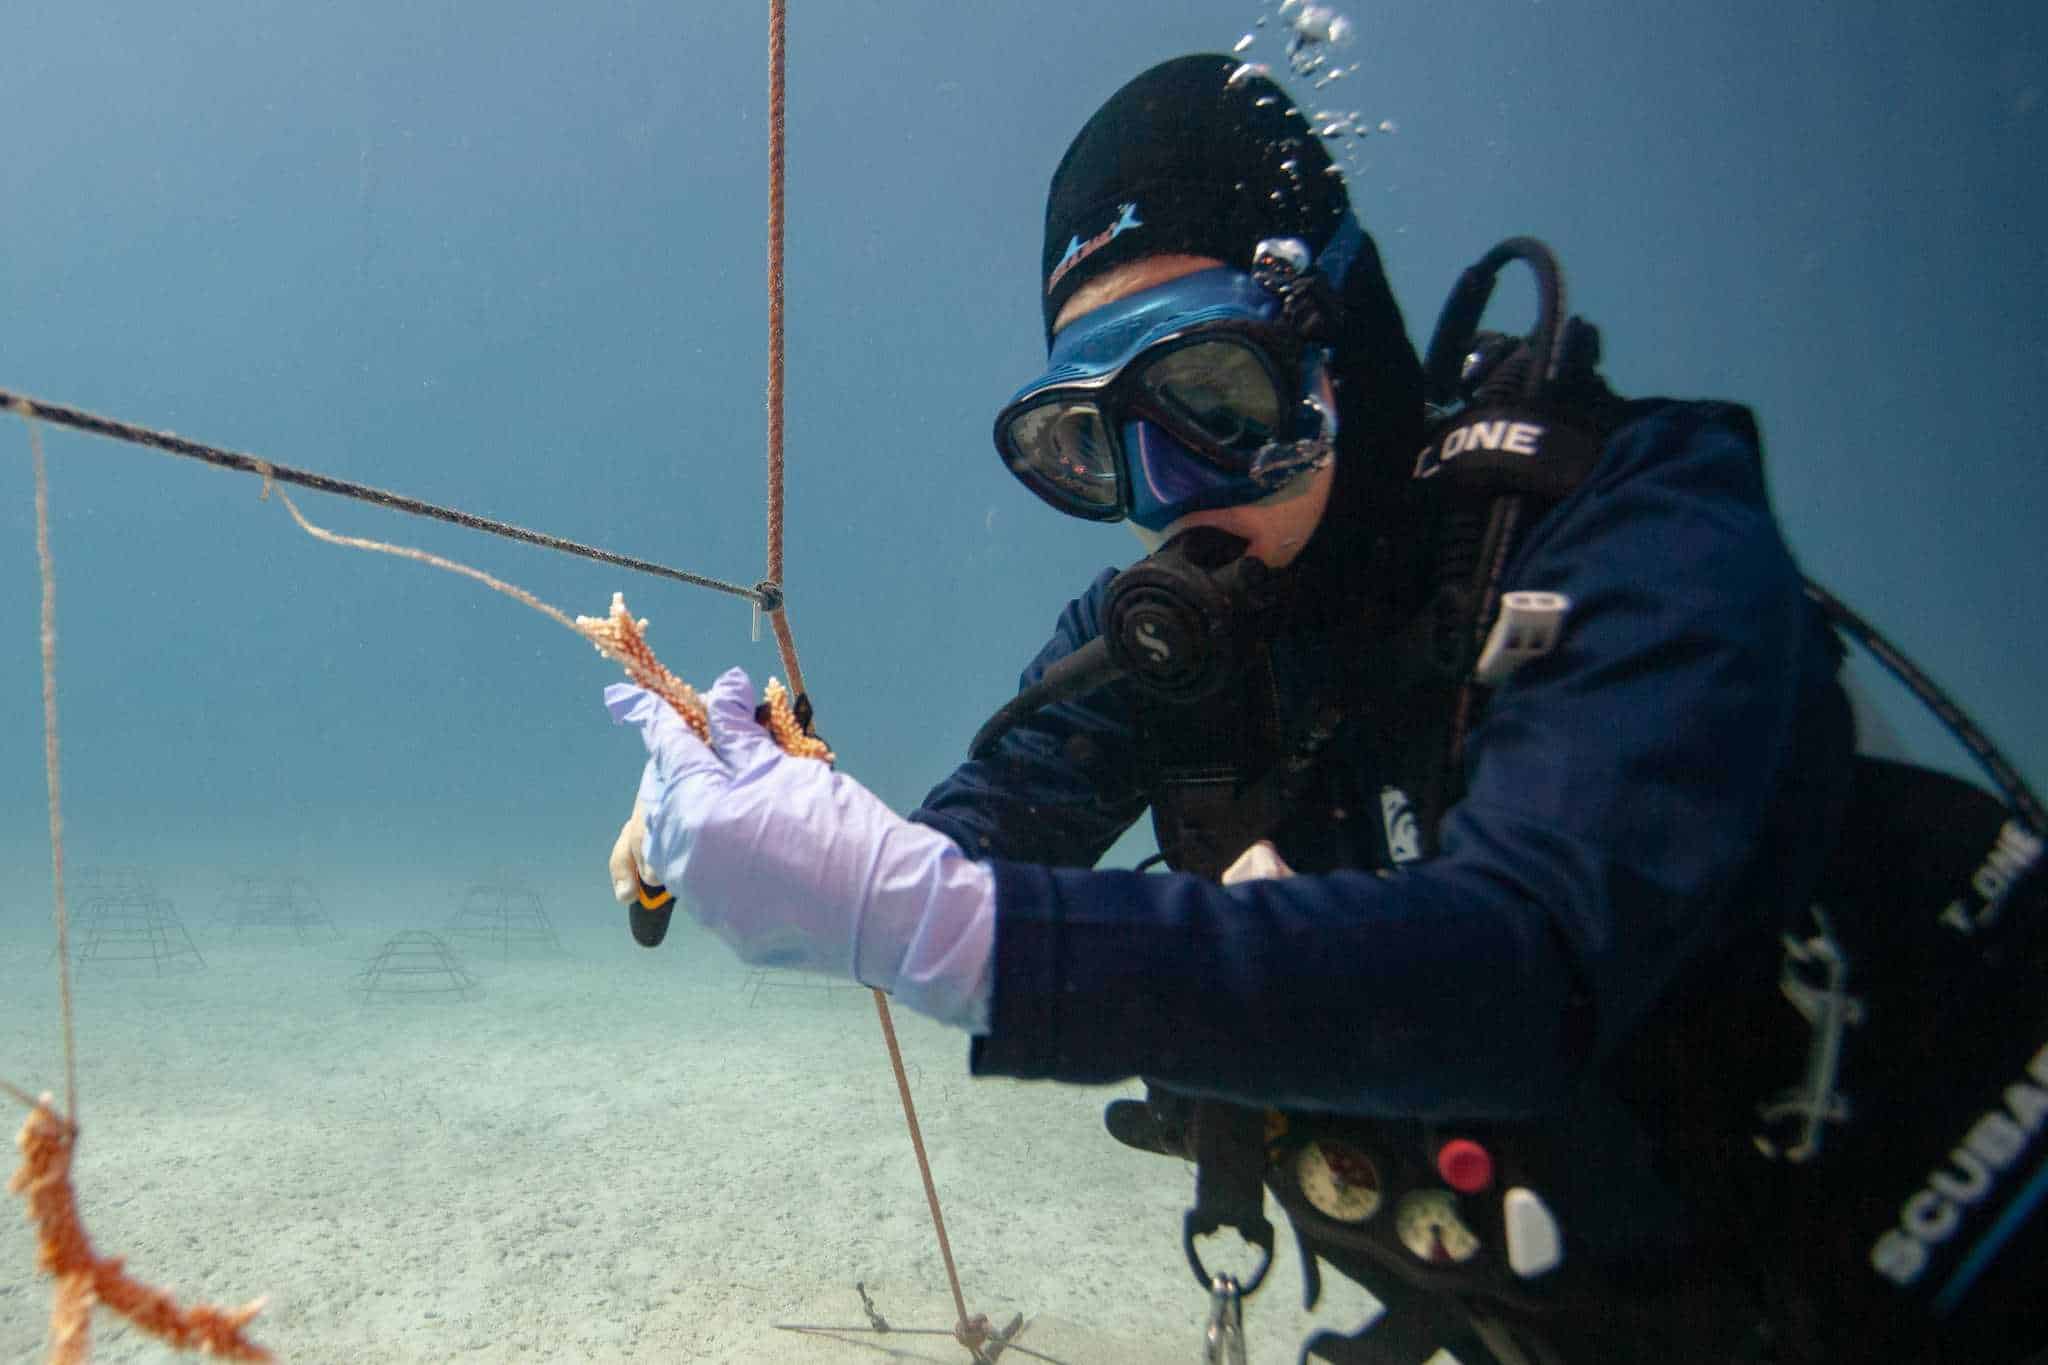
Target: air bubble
pixel 1315 29
pixel 1322 24
pixel 1245 42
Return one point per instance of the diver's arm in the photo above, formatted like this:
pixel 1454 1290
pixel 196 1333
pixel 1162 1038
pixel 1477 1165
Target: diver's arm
pixel 1619 790
pixel 796 865
pixel 1056 790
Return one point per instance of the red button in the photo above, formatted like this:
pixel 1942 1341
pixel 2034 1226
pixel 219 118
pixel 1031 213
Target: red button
pixel 1465 1165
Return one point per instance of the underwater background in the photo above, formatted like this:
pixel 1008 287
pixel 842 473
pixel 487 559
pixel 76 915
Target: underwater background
pixel 511 257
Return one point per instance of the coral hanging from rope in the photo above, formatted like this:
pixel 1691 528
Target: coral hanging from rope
pixel 623 640
pixel 64 1252
pixel 617 636
pixel 786 728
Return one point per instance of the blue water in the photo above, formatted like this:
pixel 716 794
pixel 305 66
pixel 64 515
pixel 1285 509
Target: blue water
pixel 510 256
pixel 512 259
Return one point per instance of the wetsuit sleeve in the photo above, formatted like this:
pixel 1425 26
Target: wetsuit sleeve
pixel 1618 793
pixel 1059 789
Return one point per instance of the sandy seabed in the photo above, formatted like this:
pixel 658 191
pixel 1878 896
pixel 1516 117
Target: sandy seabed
pixel 605 1154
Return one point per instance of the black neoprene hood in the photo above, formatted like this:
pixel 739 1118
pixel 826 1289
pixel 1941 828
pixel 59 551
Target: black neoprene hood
pixel 1184 159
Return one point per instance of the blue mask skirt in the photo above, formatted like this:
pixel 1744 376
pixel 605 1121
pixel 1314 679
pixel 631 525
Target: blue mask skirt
pixel 1168 481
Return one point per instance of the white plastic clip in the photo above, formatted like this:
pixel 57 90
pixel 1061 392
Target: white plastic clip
pixel 1528 627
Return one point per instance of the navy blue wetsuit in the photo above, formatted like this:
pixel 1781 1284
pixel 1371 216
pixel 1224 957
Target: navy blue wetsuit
pixel 1665 780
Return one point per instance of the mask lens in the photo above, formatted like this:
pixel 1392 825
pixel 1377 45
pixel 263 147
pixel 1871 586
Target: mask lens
pixel 1062 450
pixel 1222 391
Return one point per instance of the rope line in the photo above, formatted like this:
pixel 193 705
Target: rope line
pixel 778 614
pixel 47 568
pixel 114 429
pixel 776 158
pixel 969 1332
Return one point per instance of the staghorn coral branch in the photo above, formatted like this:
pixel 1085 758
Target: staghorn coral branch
pixel 64 1252
pixel 623 640
pixel 788 731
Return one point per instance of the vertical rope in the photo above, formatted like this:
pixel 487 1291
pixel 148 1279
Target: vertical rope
pixel 776 24
pixel 47 565
pixel 924 1166
pixel 785 639
pixel 971 1333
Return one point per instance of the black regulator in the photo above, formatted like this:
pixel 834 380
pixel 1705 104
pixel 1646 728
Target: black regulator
pixel 1179 623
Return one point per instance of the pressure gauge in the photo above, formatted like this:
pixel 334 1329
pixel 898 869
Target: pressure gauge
pixel 1339 1180
pixel 1428 1224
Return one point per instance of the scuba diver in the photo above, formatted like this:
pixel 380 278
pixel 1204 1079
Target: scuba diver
pixel 1530 930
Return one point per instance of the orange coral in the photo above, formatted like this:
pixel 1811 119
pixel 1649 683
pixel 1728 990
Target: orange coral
pixel 623 640
pixel 83 1279
pixel 787 729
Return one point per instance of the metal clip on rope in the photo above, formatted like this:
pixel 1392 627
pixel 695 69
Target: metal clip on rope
pixel 1223 1342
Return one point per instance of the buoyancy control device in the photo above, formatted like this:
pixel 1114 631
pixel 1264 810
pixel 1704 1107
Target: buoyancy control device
pixel 1862 1110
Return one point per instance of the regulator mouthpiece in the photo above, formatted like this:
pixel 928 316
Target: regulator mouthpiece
pixel 1179 623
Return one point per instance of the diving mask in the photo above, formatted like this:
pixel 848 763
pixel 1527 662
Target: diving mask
pixel 1190 395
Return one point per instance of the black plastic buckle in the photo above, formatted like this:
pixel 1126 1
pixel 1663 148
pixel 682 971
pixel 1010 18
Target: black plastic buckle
pixel 1230 1189
pixel 1257 1232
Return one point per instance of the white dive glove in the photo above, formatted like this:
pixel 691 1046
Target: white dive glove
pixel 628 872
pixel 795 865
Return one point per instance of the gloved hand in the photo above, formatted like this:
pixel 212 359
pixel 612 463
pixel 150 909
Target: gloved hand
pixel 625 865
pixel 795 865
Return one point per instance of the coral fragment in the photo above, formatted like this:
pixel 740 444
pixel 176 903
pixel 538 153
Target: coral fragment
pixel 623 640
pixel 64 1252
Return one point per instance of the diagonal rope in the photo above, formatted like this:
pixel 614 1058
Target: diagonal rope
pixel 970 1332
pixel 80 420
